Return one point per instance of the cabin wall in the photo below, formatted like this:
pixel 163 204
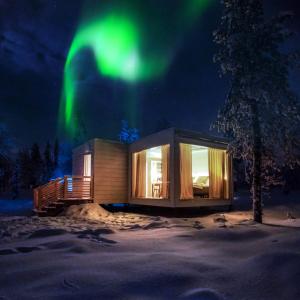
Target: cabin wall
pixel 110 171
pixel 78 157
pixel 112 168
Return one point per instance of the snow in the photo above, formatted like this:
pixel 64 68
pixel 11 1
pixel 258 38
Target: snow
pixel 90 253
pixel 16 207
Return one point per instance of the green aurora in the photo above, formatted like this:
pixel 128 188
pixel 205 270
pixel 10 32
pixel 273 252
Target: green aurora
pixel 118 41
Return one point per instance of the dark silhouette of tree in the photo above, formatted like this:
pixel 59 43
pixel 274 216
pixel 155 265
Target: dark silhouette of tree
pixel 5 140
pixel 261 113
pixel 48 163
pixel 15 181
pixel 24 170
pixel 6 170
pixel 36 165
pixel 56 154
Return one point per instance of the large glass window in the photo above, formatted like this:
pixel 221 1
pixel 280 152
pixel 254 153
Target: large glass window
pixel 200 171
pixel 203 172
pixel 150 173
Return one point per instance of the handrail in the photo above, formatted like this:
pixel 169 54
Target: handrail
pixel 66 188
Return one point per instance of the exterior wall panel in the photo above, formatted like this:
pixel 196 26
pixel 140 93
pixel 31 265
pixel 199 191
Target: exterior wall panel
pixel 110 166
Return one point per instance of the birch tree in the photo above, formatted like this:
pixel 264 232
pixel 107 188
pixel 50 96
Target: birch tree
pixel 261 112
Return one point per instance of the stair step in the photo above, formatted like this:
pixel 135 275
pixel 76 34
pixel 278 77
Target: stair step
pixel 39 211
pixel 50 207
pixel 58 203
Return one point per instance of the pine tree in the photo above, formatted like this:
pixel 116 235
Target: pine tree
pixel 37 165
pixel 5 140
pixel 24 171
pixel 56 154
pixel 128 135
pixel 261 113
pixel 48 163
pixel 15 182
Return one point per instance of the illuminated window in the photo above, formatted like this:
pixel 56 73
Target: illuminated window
pixel 87 165
pixel 204 172
pixel 200 171
pixel 150 173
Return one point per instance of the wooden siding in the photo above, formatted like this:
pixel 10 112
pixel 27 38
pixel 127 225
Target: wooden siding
pixel 110 172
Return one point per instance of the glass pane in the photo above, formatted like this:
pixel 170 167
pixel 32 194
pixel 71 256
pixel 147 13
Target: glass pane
pixel 150 173
pixel 87 167
pixel 154 172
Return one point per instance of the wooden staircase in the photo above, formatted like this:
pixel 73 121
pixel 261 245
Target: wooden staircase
pixel 52 198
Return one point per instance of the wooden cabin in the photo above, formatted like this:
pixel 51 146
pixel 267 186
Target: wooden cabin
pixel 171 168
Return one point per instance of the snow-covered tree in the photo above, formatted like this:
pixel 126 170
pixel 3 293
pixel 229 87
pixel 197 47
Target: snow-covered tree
pixel 128 135
pixel 261 113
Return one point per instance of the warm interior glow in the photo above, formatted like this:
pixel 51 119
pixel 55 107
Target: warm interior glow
pixel 150 174
pixel 154 172
pixel 87 165
pixel 204 172
pixel 200 171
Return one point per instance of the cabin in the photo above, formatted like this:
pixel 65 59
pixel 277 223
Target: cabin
pixel 170 168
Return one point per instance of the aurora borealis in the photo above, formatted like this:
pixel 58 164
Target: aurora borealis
pixel 36 38
pixel 118 40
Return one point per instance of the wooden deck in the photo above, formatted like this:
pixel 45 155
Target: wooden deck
pixel 51 198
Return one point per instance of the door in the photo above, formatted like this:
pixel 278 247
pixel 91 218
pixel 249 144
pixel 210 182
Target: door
pixel 87 165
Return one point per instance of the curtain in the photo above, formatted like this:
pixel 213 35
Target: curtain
pixel 139 176
pixel 87 165
pixel 219 172
pixel 165 151
pixel 133 175
pixel 227 174
pixel 215 163
pixel 186 178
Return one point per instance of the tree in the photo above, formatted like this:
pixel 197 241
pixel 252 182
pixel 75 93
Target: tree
pixel 261 113
pixel 23 171
pixel 56 154
pixel 128 135
pixel 48 163
pixel 5 140
pixel 36 165
pixel 15 181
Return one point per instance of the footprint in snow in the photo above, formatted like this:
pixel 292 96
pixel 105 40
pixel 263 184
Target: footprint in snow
pixel 18 250
pixel 68 284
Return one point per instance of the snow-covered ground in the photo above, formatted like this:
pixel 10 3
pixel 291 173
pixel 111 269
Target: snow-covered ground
pixel 93 254
pixel 16 207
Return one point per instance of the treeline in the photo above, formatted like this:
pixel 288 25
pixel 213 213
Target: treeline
pixel 34 166
pixel 22 171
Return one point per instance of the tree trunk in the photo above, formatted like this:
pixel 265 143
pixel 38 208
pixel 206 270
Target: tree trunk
pixel 256 168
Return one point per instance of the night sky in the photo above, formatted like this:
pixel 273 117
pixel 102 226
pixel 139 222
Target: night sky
pixel 35 36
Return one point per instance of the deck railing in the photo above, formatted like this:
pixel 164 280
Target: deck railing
pixel 66 188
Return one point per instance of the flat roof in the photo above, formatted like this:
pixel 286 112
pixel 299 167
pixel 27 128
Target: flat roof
pixel 183 133
pixel 200 136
